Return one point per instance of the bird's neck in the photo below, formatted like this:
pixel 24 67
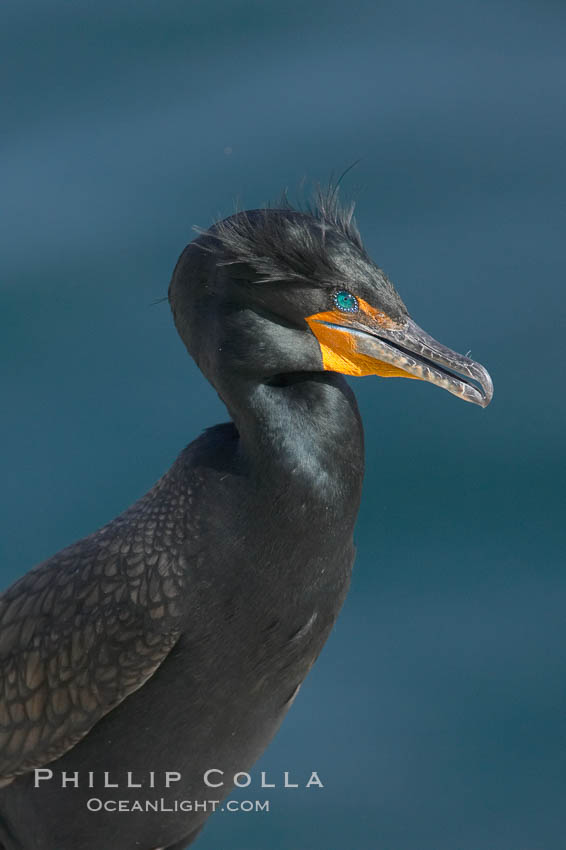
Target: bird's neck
pixel 305 431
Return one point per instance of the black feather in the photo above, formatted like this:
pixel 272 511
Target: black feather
pixel 292 245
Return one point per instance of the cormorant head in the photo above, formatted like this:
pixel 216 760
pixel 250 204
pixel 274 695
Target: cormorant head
pixel 270 292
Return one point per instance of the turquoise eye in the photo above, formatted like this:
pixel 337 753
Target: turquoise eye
pixel 345 301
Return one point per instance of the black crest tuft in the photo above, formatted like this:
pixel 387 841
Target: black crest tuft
pixel 283 242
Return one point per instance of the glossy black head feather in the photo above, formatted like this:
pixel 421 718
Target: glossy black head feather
pixel 241 292
pixel 288 243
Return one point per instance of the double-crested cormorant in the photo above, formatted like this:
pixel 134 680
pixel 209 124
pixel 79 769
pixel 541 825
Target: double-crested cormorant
pixel 175 638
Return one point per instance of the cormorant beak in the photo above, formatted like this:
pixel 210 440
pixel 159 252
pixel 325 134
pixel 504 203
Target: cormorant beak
pixel 369 342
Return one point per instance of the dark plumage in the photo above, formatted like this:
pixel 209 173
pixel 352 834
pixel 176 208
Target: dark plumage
pixel 176 637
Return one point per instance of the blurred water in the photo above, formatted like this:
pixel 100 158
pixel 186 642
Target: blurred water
pixel 436 714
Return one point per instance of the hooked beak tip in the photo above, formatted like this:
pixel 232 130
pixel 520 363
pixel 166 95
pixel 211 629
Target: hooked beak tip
pixel 480 374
